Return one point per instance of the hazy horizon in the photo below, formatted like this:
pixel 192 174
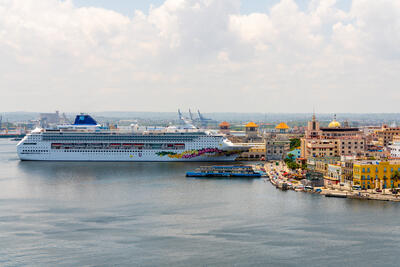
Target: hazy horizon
pixel 365 118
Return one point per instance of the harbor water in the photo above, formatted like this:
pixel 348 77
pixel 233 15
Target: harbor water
pixel 150 214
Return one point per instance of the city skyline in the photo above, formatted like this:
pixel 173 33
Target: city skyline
pixel 221 56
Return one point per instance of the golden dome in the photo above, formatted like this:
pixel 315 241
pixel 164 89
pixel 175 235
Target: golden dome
pixel 251 125
pixel 334 124
pixel 282 126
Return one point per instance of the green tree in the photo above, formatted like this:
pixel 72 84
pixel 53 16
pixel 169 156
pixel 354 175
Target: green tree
pixel 292 165
pixel 294 143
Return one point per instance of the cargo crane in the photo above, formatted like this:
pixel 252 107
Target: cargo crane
pixel 200 121
pixel 191 116
pixel 203 119
pixel 186 122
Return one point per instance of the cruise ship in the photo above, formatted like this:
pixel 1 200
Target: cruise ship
pixel 86 140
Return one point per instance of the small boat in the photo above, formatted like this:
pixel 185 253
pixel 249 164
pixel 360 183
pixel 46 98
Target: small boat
pixel 336 195
pixel 225 171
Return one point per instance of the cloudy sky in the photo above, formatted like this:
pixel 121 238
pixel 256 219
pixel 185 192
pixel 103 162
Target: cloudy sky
pixel 216 55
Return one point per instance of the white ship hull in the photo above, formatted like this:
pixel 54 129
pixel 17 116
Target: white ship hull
pixel 120 156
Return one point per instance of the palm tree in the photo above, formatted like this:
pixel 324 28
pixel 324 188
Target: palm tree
pixel 395 176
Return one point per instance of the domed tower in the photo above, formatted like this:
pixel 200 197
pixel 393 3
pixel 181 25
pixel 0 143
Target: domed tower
pixel 282 127
pixel 334 123
pixel 224 127
pixel 251 129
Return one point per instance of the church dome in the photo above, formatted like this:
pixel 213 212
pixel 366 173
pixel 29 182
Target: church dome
pixel 334 124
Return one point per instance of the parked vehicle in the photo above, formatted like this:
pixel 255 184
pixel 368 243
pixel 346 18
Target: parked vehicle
pixel 308 188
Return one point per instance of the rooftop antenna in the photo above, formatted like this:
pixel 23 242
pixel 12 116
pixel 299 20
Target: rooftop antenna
pixel 313 117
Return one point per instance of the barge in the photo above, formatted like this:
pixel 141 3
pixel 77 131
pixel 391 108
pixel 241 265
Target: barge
pixel 225 171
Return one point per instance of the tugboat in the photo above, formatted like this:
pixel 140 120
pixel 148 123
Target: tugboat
pixel 225 171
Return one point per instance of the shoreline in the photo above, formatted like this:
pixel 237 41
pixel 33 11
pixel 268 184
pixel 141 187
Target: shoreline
pixel 282 183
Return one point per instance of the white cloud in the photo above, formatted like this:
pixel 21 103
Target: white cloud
pixel 201 53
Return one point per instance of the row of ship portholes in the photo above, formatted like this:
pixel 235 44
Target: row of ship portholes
pixel 104 151
pixel 34 151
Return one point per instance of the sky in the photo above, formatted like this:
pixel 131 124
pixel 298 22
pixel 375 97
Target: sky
pixel 213 55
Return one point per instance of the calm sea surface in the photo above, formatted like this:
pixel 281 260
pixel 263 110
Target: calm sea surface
pixel 150 214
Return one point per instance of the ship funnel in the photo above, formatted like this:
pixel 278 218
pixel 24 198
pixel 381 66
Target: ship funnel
pixel 84 119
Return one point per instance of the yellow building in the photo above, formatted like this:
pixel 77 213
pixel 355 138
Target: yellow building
pixel 370 175
pixel 256 152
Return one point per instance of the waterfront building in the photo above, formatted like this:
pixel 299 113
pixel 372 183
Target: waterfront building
pixel 276 146
pixel 376 174
pixel 256 152
pixel 347 163
pixel 321 164
pixel 333 174
pixel 314 179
